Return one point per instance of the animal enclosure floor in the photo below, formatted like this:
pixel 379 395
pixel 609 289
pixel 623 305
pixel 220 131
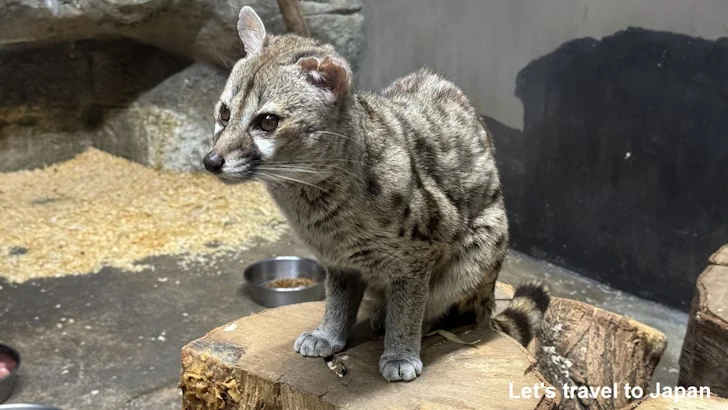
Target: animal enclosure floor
pixel 99 210
pixel 112 340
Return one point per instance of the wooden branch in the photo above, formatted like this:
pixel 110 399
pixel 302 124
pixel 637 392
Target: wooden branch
pixel 582 345
pixel 704 356
pixel 293 18
pixel 250 364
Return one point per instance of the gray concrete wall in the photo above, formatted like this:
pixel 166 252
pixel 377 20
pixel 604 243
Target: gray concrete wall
pixel 609 118
pixel 482 44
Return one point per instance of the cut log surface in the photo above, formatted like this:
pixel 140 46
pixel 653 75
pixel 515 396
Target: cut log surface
pixel 250 364
pixel 720 257
pixel 582 345
pixel 704 356
pixel 713 403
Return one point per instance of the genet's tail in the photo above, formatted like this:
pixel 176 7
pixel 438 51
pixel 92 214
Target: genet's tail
pixel 522 318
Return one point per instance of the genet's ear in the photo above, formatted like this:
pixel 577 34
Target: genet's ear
pixel 251 30
pixel 331 74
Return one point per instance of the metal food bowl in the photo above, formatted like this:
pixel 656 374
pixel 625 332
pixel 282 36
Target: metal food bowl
pixel 7 383
pixel 260 274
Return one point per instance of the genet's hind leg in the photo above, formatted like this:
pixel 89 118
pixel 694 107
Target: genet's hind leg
pixel 480 301
pixel 438 305
pixel 476 299
pixel 468 281
pixel 480 259
pixel 378 317
pixel 448 286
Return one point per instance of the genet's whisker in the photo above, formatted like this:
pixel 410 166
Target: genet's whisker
pixel 304 169
pixel 361 145
pixel 316 162
pixel 285 178
pixel 290 169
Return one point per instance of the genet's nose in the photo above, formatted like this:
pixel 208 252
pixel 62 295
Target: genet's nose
pixel 213 163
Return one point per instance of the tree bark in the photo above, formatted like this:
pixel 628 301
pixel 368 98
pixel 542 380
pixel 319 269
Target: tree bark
pixel 704 356
pixel 661 403
pixel 582 345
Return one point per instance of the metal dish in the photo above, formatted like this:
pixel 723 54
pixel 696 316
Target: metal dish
pixel 26 407
pixel 260 274
pixel 7 383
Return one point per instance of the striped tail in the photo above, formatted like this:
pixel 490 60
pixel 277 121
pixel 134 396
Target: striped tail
pixel 522 318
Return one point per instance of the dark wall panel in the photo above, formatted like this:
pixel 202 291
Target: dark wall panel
pixel 621 170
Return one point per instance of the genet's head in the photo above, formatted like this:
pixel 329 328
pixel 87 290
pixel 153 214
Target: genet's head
pixel 277 100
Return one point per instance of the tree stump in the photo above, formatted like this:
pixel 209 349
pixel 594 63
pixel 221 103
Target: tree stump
pixel 704 356
pixel 712 403
pixel 250 364
pixel 582 345
pixel 720 257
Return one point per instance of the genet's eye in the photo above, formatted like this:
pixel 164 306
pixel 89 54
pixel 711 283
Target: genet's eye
pixel 224 114
pixel 267 122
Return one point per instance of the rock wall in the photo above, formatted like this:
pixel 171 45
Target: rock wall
pixel 137 78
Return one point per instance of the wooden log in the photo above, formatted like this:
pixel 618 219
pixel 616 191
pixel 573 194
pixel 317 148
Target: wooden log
pixel 704 356
pixel 720 257
pixel 582 345
pixel 293 18
pixel 250 364
pixel 661 403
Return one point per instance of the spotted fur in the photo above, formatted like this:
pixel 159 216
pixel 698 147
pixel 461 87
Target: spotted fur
pixel 397 193
pixel 523 316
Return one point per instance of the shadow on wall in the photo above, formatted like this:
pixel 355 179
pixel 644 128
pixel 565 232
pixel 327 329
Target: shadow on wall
pixel 622 167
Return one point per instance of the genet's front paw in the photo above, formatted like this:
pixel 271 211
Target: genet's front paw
pixel 318 344
pixel 396 367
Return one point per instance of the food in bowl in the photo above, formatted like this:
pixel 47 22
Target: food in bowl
pixel 291 283
pixel 7 364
